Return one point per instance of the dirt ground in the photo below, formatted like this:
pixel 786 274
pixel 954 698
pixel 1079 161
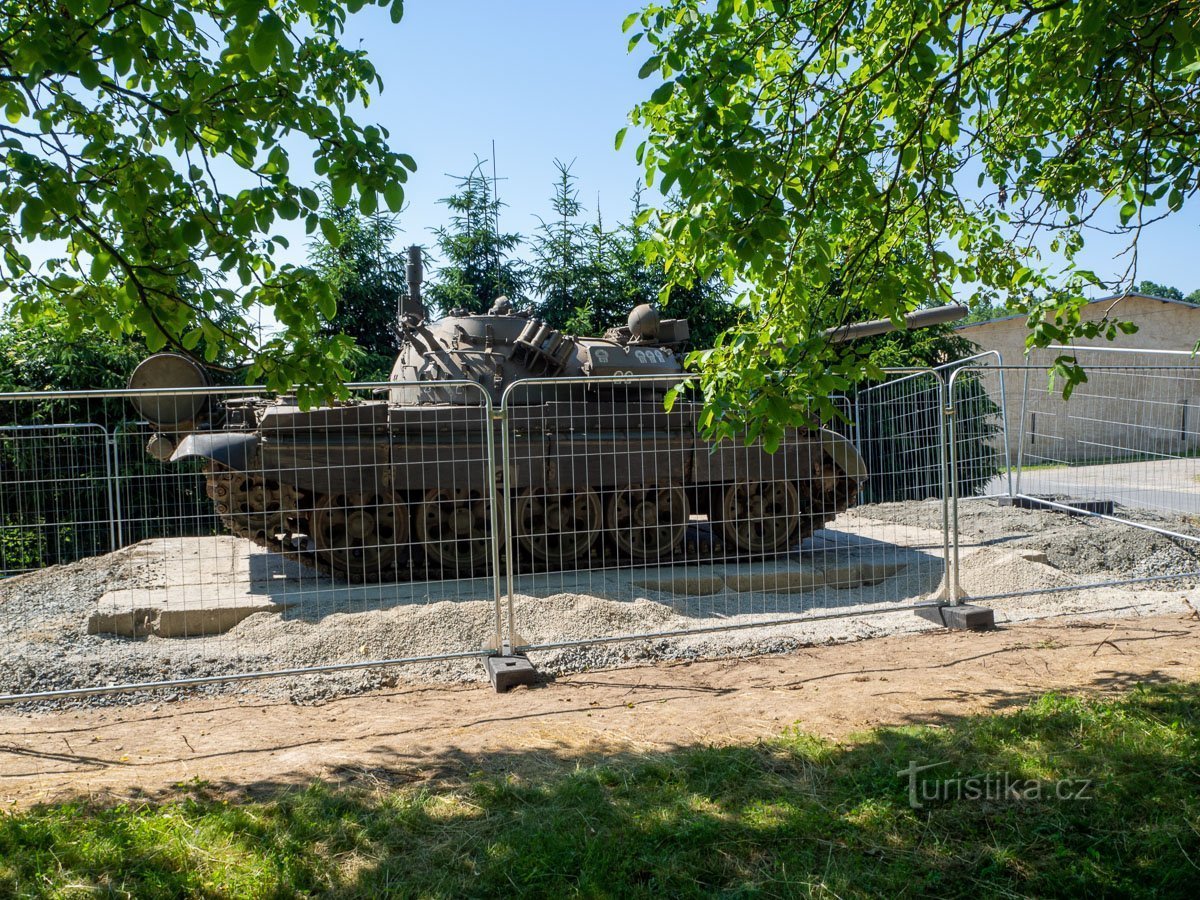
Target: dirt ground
pixel 417 734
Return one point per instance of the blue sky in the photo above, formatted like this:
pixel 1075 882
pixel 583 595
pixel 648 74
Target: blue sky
pixel 544 80
pixel 549 80
pixel 552 80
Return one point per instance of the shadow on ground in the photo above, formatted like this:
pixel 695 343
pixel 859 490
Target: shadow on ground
pixel 1084 795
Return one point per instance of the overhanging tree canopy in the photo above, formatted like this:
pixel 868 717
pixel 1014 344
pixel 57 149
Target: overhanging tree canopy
pixel 145 148
pixel 864 158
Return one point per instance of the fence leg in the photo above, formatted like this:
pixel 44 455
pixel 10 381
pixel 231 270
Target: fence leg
pixel 948 594
pixel 494 474
pixel 955 596
pixel 112 475
pixel 507 669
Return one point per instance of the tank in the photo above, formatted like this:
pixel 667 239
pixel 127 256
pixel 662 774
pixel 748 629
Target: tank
pixel 397 487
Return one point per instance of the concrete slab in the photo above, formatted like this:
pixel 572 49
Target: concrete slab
pixel 192 587
pixel 174 616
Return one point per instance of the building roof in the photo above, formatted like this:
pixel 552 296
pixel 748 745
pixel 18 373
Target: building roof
pixel 1128 295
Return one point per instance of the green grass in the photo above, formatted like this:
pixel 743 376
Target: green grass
pixel 792 816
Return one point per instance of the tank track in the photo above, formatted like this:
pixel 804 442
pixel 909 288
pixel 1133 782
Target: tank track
pixel 276 517
pixel 235 497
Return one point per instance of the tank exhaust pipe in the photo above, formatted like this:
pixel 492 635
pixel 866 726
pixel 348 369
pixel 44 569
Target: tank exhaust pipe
pixel 922 318
pixel 413 305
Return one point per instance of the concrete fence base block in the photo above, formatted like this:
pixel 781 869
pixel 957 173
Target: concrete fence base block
pixel 507 672
pixel 961 618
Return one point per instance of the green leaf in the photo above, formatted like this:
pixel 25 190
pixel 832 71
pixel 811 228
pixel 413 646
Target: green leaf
pixel 397 11
pixel 619 139
pixel 408 162
pixel 261 49
pixel 393 195
pixel 330 230
pixel 339 190
pixel 327 304
pixel 663 92
pixel 741 164
pixel 649 67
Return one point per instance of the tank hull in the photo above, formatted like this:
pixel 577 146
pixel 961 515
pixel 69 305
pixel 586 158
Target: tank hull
pixel 382 492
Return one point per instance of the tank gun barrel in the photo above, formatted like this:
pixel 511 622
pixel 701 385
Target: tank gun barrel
pixel 922 318
pixel 413 305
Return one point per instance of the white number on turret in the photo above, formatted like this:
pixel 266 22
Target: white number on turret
pixel 646 357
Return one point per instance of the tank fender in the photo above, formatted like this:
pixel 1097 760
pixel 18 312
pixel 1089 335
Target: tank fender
pixel 228 448
pixel 845 455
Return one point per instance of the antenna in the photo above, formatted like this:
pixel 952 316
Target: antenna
pixel 495 216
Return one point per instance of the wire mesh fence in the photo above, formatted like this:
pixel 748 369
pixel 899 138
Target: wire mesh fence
pixel 428 522
pixel 625 524
pixel 1129 434
pixel 1116 459
pixel 57 500
pixel 237 533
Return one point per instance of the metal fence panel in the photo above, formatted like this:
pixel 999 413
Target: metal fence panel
pixel 416 523
pixel 56 494
pixel 1119 451
pixel 1130 433
pixel 624 525
pixel 283 541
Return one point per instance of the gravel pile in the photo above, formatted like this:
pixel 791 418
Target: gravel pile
pixel 1080 545
pixel 45 645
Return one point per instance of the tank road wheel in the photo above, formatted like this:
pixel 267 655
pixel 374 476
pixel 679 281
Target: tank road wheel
pixel 648 522
pixel 827 492
pixel 455 527
pixel 253 507
pixel 762 516
pixel 360 535
pixel 559 527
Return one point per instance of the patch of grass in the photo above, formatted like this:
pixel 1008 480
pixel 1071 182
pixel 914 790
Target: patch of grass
pixel 795 815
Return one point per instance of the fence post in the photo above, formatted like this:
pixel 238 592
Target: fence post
pixel 1004 424
pixel 1021 426
pixel 949 440
pixel 494 418
pixel 118 512
pixel 111 489
pixel 511 640
pixel 951 412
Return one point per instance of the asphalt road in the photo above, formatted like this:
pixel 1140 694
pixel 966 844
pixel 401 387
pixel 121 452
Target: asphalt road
pixel 1168 485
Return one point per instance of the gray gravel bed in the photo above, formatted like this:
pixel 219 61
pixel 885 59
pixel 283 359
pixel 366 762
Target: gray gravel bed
pixel 45 645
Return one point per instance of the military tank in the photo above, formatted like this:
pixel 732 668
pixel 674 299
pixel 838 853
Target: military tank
pixel 598 471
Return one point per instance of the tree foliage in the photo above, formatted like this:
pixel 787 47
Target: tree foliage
pixel 883 156
pixel 47 353
pixel 563 270
pixel 367 277
pixel 581 275
pixel 147 146
pixel 479 261
pixel 1166 291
